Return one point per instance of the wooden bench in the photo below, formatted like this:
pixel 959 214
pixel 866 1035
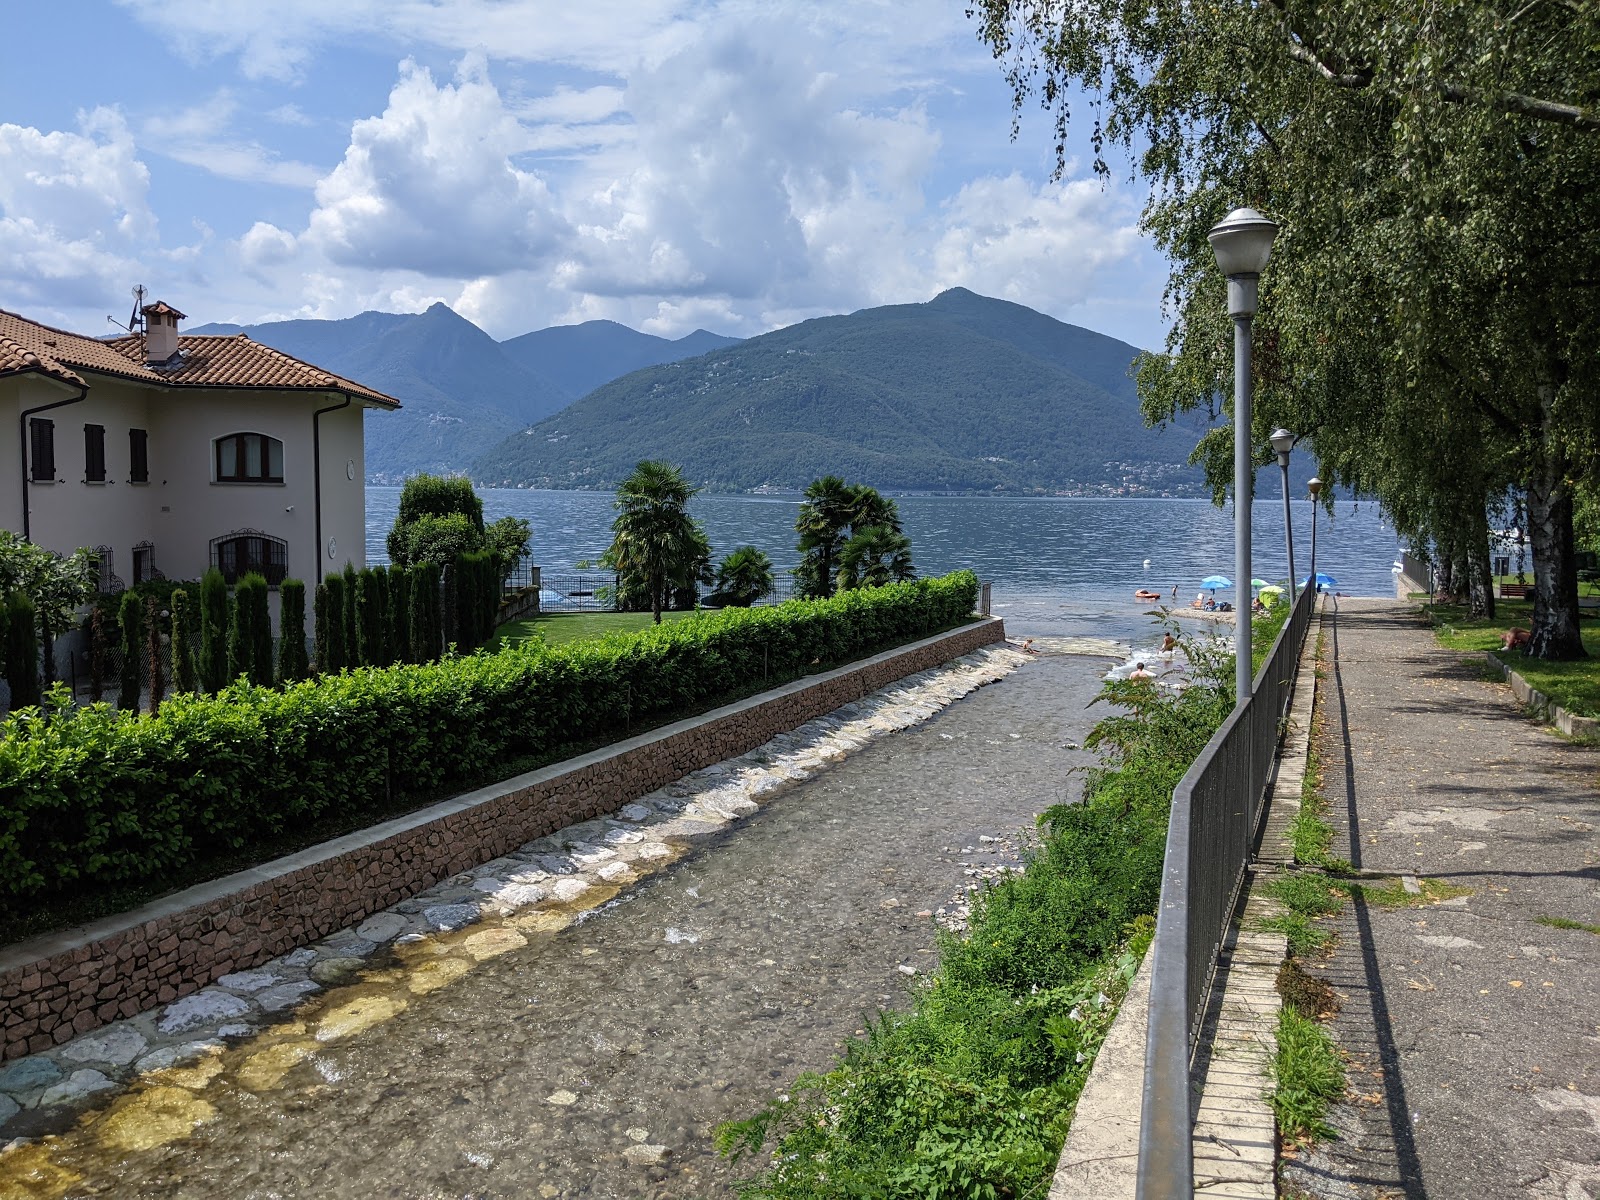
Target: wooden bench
pixel 1515 591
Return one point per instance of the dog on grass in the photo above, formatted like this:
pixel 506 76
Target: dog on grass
pixel 1512 638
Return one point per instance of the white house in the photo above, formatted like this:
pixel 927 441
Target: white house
pixel 173 453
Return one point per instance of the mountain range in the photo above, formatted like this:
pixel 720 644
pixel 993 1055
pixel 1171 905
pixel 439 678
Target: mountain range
pixel 462 391
pixel 962 393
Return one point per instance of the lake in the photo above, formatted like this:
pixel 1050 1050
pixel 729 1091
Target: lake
pixel 1081 557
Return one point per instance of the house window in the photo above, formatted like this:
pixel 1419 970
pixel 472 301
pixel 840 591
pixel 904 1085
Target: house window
pixel 144 562
pixel 94 453
pixel 249 458
pixel 237 554
pixel 138 456
pixel 42 433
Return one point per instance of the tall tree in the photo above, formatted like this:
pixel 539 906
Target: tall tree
pixel 1430 300
pixel 185 675
pixel 656 545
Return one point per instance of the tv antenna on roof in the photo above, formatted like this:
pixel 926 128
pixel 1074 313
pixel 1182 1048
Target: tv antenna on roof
pixel 135 323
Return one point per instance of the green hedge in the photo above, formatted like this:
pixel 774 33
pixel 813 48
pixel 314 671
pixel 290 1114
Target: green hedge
pixel 93 795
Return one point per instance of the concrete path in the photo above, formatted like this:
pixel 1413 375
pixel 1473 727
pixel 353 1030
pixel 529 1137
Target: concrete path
pixel 1472 1027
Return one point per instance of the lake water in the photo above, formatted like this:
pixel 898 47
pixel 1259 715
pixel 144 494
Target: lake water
pixel 1082 557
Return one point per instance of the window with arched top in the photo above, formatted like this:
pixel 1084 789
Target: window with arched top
pixel 239 553
pixel 249 458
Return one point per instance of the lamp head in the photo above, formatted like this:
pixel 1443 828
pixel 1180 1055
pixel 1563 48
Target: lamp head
pixel 1314 485
pixel 1282 443
pixel 1242 242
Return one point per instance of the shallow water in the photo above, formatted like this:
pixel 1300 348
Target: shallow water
pixel 689 1001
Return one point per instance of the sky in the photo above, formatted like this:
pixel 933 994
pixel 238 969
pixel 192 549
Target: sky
pixel 735 165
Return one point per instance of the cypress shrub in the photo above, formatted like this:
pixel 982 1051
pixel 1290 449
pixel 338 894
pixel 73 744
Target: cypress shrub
pixel 383 646
pixel 427 618
pixel 352 622
pixel 22 652
pixel 320 646
pixel 153 655
pixel 258 626
pixel 132 620
pixel 213 631
pixel 97 654
pixel 400 614
pixel 371 614
pixel 5 626
pixel 185 676
pixel 241 646
pixel 331 615
pixel 292 664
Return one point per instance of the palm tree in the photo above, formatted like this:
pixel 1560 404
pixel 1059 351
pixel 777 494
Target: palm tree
pixel 825 512
pixel 868 509
pixel 743 578
pixel 657 546
pixel 874 556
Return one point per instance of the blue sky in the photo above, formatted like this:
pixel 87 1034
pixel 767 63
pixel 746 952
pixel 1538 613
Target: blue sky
pixel 737 165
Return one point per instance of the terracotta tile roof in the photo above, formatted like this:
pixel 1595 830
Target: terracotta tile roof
pixel 161 306
pixel 202 361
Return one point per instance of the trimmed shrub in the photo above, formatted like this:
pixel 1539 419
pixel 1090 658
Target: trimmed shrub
pixel 352 622
pixel 156 668
pixel 132 620
pixel 97 655
pixel 372 612
pixel 331 656
pixel 185 677
pixel 91 797
pixel 256 615
pixel 427 619
pixel 213 631
pixel 241 646
pixel 292 665
pixel 400 615
pixel 22 651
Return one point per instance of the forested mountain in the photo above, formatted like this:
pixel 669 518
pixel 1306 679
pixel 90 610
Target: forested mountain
pixel 963 393
pixel 579 358
pixel 463 392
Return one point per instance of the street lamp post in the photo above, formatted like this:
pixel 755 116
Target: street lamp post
pixel 1283 443
pixel 1242 242
pixel 1314 486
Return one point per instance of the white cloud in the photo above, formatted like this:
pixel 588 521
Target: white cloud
pixel 1040 246
pixel 201 136
pixel 74 212
pixel 430 185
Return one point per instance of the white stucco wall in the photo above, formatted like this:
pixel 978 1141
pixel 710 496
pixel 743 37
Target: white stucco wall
pixel 183 508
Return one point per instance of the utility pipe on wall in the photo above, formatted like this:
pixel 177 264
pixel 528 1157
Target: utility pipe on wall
pixel 316 472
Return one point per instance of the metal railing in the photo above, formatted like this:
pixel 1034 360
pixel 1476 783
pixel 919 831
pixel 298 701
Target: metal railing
pixel 1216 809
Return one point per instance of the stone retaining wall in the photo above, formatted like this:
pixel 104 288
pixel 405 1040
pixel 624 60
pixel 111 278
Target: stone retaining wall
pixel 56 987
pixel 1568 722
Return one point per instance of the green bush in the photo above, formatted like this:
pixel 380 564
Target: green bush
pixel 22 651
pixel 331 655
pixel 91 797
pixel 439 496
pixel 427 614
pixel 154 667
pixel 252 594
pixel 185 676
pixel 292 665
pixel 213 631
pixel 132 619
pixel 352 621
pixel 400 615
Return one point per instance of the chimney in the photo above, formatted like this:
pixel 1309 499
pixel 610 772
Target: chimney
pixel 160 332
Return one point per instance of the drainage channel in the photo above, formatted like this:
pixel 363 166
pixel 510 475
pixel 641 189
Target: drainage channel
pixel 588 1048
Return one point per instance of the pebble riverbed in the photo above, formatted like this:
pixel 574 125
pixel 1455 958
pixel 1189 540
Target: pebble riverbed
pixel 574 1018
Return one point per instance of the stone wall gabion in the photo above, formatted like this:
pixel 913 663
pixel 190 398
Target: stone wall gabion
pixel 63 985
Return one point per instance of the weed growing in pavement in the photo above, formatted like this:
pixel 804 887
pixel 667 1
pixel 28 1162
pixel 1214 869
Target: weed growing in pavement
pixel 1394 894
pixel 1568 923
pixel 1308 1076
pixel 1306 994
pixel 1306 896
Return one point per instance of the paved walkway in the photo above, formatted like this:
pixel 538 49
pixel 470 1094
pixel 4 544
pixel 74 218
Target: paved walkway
pixel 1472 1028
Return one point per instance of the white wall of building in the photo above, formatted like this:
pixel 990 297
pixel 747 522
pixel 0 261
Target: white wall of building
pixel 183 507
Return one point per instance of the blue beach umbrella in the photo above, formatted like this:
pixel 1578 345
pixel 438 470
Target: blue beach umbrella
pixel 1323 581
pixel 1216 581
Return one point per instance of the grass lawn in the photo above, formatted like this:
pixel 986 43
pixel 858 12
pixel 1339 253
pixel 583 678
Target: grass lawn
pixel 1573 685
pixel 576 627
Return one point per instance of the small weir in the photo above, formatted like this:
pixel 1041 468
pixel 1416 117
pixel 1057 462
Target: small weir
pixel 588 1044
